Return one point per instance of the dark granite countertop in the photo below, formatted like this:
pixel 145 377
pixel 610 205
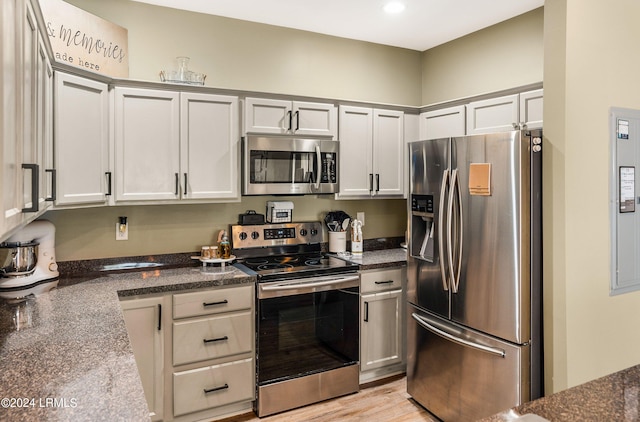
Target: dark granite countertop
pixel 614 397
pixel 66 354
pixel 385 258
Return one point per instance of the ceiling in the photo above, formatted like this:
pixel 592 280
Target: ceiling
pixel 422 25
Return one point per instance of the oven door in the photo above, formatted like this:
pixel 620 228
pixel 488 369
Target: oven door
pixel 307 327
pixel 289 166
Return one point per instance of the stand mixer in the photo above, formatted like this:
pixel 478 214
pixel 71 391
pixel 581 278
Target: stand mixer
pixel 28 261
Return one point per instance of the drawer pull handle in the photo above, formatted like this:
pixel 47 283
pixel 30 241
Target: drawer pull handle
pixel 222 302
pixel 211 390
pixel 384 282
pixel 213 340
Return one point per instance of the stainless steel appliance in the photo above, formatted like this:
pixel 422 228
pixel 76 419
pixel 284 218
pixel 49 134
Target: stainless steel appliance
pixel 307 322
pixel 28 261
pixel 475 273
pixel 289 166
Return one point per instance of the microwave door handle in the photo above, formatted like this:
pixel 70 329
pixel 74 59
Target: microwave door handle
pixel 319 167
pixel 441 222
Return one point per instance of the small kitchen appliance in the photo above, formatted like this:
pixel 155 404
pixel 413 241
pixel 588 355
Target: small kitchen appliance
pixel 28 261
pixel 279 211
pixel 250 217
pixel 289 166
pixel 307 319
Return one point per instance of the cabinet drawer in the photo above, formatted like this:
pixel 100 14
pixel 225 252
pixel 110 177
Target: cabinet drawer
pixel 212 301
pixel 212 386
pixel 380 280
pixel 210 338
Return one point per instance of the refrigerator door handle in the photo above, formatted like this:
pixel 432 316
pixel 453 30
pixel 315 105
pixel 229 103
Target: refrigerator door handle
pixel 425 324
pixel 453 195
pixel 443 191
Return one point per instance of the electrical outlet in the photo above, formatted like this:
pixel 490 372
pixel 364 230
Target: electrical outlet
pixel 360 217
pixel 122 231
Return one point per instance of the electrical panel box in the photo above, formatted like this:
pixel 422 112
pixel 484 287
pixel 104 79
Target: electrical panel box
pixel 624 200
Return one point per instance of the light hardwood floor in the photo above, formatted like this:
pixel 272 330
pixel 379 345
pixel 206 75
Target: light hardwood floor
pixel 383 402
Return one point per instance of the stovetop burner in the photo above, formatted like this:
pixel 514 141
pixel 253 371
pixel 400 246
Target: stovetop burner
pixel 273 266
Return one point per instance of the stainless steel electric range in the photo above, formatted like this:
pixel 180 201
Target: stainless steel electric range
pixel 307 322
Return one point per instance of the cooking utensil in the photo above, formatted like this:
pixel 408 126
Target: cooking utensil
pixel 335 220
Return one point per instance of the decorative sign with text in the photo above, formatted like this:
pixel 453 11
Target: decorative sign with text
pixel 86 41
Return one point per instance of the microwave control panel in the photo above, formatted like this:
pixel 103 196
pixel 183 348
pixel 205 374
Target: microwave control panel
pixel 328 173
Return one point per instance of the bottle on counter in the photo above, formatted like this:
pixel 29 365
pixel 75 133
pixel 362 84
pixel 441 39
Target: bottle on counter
pixel 224 248
pixel 356 237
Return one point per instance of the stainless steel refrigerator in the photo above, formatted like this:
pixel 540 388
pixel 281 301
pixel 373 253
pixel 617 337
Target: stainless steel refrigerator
pixel 475 273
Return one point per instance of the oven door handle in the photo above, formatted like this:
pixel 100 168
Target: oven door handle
pixel 309 283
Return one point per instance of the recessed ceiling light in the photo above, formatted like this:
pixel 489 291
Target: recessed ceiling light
pixel 393 7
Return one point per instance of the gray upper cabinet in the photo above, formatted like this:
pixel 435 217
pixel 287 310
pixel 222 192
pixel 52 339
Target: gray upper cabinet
pixel 517 111
pixel 81 141
pixel 371 152
pixel 172 146
pixel 492 115
pixel 443 123
pixel 283 117
pixel 25 117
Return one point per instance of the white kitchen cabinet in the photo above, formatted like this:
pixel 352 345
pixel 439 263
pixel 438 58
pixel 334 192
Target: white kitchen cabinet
pixel 492 115
pixel 30 152
pixel 147 145
pixel 213 352
pixel 382 338
pixel 171 146
pixel 44 126
pixel 10 87
pixel 209 146
pixel 23 125
pixel 443 123
pixel 81 141
pixel 371 152
pixel 143 318
pixel 517 111
pixel 531 108
pixel 281 117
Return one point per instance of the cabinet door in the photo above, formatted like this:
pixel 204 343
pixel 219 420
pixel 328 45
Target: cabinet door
pixel 44 128
pixel 30 151
pixel 315 119
pixel 267 116
pixel 147 144
pixel 81 140
pixel 381 330
pixel 443 123
pixel 143 318
pixel 209 146
pixel 388 152
pixel 493 115
pixel 531 109
pixel 10 88
pixel 356 137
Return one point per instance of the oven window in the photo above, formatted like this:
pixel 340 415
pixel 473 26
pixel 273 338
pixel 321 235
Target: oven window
pixel 281 167
pixel 305 334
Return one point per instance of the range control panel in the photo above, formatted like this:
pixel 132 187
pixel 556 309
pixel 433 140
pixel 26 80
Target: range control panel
pixel 265 235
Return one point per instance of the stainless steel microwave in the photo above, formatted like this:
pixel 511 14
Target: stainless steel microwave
pixel 289 166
